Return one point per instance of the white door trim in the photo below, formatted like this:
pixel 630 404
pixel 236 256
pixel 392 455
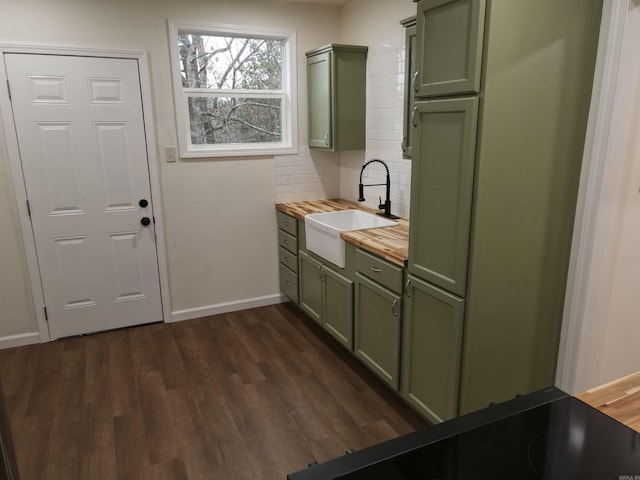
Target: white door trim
pixel 576 337
pixel 19 183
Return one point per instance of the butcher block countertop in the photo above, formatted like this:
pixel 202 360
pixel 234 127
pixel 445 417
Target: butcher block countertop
pixel 390 243
pixel 619 399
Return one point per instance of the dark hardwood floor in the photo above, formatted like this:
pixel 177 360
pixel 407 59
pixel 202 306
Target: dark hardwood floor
pixel 254 394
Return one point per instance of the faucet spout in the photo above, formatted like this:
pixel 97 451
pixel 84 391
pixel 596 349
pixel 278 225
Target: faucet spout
pixel 386 206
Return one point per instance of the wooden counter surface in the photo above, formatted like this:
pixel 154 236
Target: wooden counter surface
pixel 619 399
pixel 390 243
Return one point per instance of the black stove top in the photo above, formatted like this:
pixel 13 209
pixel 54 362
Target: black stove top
pixel 546 435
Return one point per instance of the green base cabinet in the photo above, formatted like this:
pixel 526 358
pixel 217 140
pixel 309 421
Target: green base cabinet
pixel 377 329
pixel 310 285
pixel 336 92
pixel 337 306
pixel 431 350
pixel 327 297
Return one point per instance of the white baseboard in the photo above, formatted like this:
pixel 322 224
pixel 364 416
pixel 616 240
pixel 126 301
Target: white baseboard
pixel 19 340
pixel 190 313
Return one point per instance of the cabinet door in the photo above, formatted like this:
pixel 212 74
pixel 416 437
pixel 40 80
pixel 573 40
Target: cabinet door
pixel 377 329
pixel 431 350
pixel 409 92
pixel 337 306
pixel 449 46
pixel 310 285
pixel 441 191
pixel 319 97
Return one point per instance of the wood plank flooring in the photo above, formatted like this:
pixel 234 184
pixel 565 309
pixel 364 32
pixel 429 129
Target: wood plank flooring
pixel 254 394
pixel 619 399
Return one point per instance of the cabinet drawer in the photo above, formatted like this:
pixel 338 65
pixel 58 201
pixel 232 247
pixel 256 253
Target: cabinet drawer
pixel 287 223
pixel 289 259
pixel 289 283
pixel 288 241
pixel 379 270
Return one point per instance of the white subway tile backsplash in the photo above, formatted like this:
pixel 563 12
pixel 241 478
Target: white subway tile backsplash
pixel 314 174
pixel 385 134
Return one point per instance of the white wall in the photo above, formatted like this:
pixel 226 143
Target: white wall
pixel 610 332
pixel 218 214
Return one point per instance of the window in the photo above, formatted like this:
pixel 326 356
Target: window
pixel 234 90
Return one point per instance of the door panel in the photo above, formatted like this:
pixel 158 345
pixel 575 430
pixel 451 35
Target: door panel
pixel 442 191
pixel 319 93
pixel 84 157
pixel 432 350
pixel 377 330
pixel 337 306
pixel 310 285
pixel 449 46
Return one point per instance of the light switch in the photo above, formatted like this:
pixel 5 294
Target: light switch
pixel 170 154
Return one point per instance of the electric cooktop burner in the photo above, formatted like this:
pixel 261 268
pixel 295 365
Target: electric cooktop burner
pixel 543 436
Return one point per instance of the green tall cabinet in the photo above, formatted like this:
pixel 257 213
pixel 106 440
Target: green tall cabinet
pixel 501 105
pixel 336 92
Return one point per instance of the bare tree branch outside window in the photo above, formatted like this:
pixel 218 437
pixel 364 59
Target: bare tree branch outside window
pixel 234 85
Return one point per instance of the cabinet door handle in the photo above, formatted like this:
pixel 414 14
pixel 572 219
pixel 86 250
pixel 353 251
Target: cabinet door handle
pixel 286 240
pixel 416 76
pixel 326 139
pixel 407 287
pixel 403 145
pixel 287 258
pixel 376 270
pixel 319 272
pixel 286 223
pixel 413 116
pixel 288 283
pixel 393 308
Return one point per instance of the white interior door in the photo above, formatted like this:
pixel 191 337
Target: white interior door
pixel 81 137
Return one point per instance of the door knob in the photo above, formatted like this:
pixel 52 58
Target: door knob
pixel 143 203
pixel 145 221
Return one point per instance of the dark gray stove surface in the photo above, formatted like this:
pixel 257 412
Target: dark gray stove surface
pixel 545 435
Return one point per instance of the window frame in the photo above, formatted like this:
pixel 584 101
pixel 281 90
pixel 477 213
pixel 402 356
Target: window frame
pixel 289 142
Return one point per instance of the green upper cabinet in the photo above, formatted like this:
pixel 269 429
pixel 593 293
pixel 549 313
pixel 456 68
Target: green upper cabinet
pixel 442 190
pixel 449 47
pixel 336 90
pixel 410 70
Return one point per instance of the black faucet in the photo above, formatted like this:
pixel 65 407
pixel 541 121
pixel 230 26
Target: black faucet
pixel 386 206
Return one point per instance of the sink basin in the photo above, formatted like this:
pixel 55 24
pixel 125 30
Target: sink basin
pixel 323 231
